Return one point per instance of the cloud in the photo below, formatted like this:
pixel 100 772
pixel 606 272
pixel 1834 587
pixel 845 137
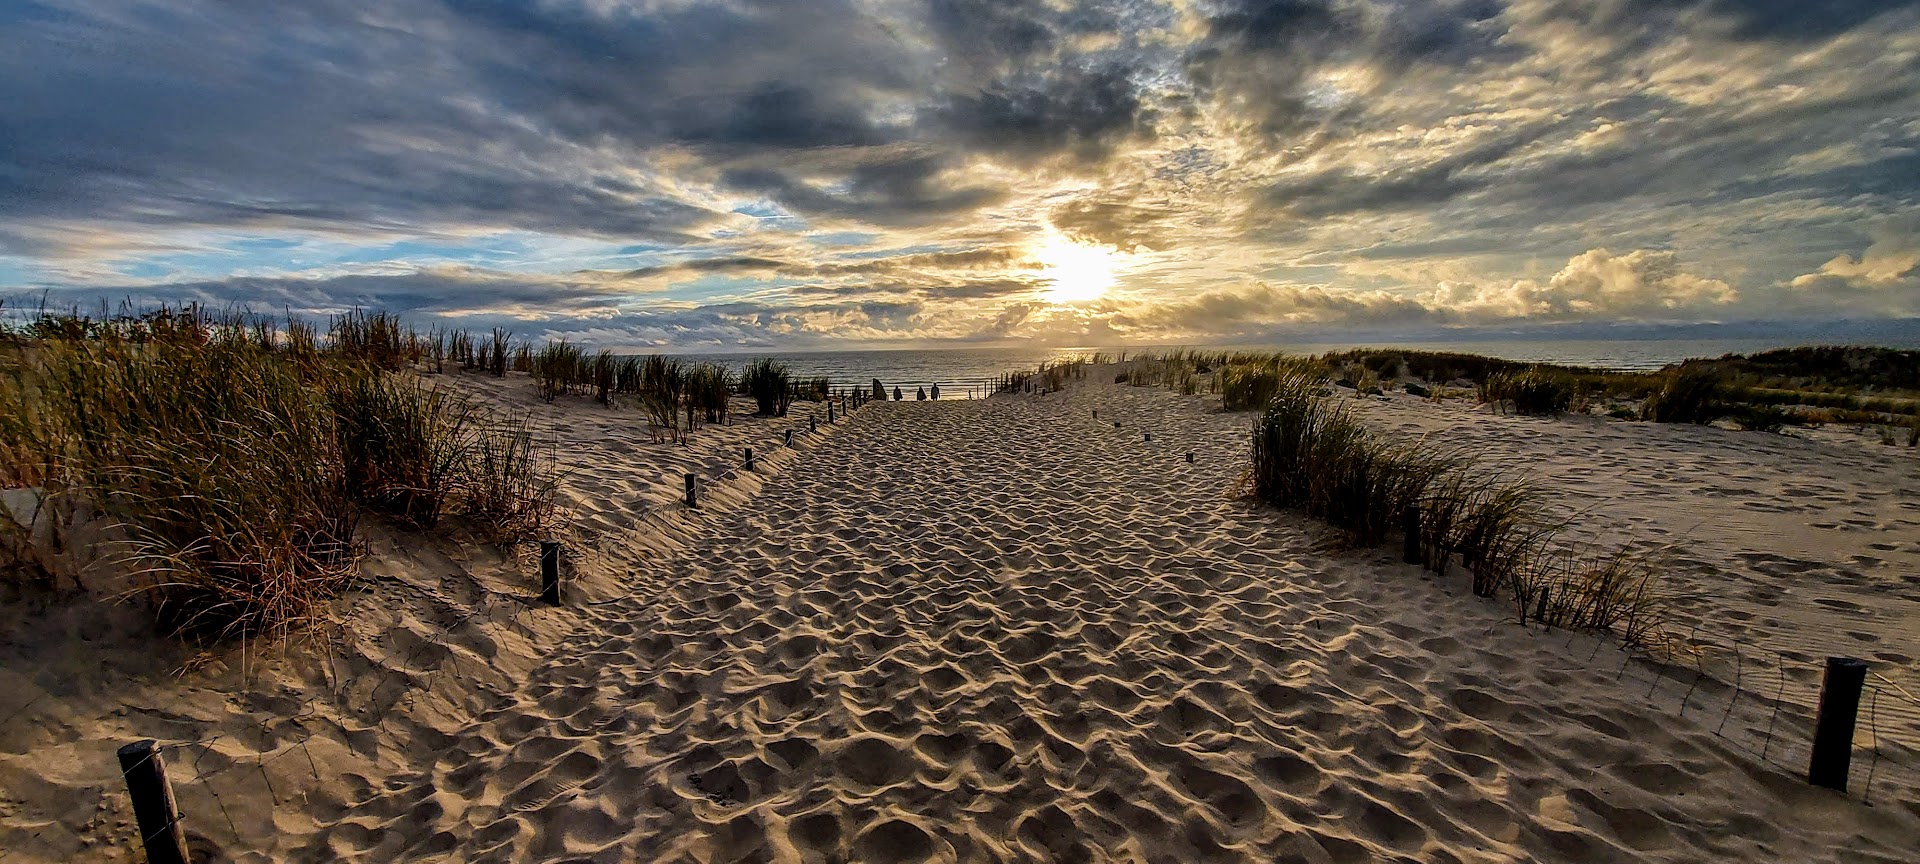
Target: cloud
pixel 767 170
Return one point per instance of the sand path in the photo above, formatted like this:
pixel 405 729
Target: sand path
pixel 1794 547
pixel 1005 631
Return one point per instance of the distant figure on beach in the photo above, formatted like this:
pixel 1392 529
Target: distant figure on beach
pixel 896 393
pixel 920 395
pixel 936 391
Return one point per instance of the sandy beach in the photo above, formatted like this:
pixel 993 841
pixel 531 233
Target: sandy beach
pixel 1009 631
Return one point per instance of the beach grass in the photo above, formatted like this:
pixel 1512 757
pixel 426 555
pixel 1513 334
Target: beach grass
pixel 770 384
pixel 1311 454
pixel 235 461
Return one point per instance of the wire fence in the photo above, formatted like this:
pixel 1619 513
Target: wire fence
pixel 1760 701
pixel 209 775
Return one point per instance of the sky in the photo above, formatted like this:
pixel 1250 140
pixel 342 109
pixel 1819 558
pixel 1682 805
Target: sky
pixel 720 174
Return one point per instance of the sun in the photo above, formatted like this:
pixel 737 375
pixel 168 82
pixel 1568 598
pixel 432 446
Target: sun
pixel 1076 272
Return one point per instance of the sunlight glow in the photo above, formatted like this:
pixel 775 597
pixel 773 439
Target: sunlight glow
pixel 1076 272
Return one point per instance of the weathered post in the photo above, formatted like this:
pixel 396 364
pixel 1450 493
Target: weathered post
pixel 550 572
pixel 1189 457
pixel 813 424
pixel 787 438
pixel 692 502
pixel 749 462
pixel 1149 437
pixel 1096 413
pixel 829 412
pixel 153 805
pixel 1410 525
pixel 1833 732
pixel 1540 606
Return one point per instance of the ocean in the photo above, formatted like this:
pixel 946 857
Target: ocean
pixel 962 372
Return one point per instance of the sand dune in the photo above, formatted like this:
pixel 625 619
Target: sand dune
pixel 988 631
pixel 441 626
pixel 1798 547
pixel 1044 639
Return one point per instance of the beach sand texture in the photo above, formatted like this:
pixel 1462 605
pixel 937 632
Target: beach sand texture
pixel 1008 631
pixel 1789 548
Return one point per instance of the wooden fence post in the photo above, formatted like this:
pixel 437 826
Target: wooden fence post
pixel 749 458
pixel 153 805
pixel 1833 732
pixel 550 571
pixel 1410 544
pixel 692 502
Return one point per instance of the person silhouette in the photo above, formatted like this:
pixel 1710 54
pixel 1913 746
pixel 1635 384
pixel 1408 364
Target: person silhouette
pixel 920 395
pixel 936 391
pixel 896 394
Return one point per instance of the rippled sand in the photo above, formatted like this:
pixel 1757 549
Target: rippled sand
pixel 1007 631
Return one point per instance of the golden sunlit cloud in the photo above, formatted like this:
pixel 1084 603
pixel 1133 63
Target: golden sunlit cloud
pixel 1076 272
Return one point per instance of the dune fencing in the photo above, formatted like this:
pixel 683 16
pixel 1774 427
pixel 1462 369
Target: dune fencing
pixel 1835 722
pixel 190 797
pixel 1765 703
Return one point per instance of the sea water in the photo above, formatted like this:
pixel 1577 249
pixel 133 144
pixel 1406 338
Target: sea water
pixel 964 372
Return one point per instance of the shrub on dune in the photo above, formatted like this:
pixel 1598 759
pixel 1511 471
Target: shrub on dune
pixel 709 387
pixel 215 460
pixel 1311 454
pixel 402 445
pixel 235 475
pixel 1685 396
pixel 662 386
pixel 769 383
pixel 1536 390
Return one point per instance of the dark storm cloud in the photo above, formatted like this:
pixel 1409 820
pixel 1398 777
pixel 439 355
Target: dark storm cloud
pixel 1078 112
pixel 1783 20
pixel 889 190
pixel 1343 191
pixel 427 293
pixel 520 115
pixel 913 154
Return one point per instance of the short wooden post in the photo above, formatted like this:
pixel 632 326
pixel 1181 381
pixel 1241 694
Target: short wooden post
pixel 813 425
pixel 1149 438
pixel 1116 424
pixel 153 805
pixel 787 439
pixel 1410 524
pixel 829 412
pixel 1833 732
pixel 550 571
pixel 1096 413
pixel 1189 457
pixel 691 500
pixel 1540 605
pixel 749 459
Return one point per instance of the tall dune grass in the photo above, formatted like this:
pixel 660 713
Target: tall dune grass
pixel 709 388
pixel 1686 396
pixel 235 473
pixel 403 445
pixel 769 383
pixel 1536 390
pixel 662 385
pixel 1311 454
